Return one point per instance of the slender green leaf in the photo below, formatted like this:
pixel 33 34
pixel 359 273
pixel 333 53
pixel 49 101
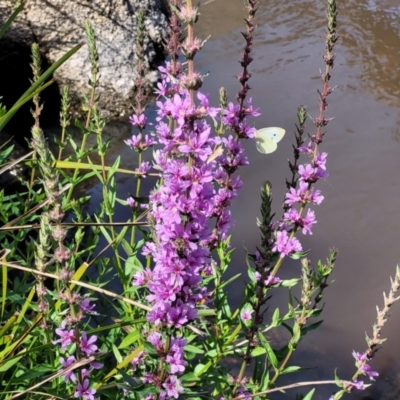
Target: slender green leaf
pixel 129 339
pixel 39 370
pixel 117 354
pixel 311 327
pixel 270 352
pixel 309 395
pixel 258 351
pixel 8 364
pixel 230 280
pixel 8 115
pixel 10 20
pixel 37 85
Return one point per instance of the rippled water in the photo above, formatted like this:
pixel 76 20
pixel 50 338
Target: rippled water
pixel 360 215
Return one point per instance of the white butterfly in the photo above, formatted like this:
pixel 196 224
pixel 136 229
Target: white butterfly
pixel 267 139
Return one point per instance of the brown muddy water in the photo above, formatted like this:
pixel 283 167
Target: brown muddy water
pixel 361 212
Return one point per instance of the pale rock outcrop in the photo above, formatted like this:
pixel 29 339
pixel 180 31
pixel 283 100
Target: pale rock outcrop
pixel 58 25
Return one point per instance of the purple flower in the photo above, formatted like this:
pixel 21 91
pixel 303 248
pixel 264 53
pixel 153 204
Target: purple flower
pixel 360 357
pixel 156 340
pixel 257 276
pixel 198 144
pixel 67 363
pixel 231 114
pixel 142 278
pixel 363 367
pixel 245 314
pixel 205 108
pixel 272 280
pixel 66 336
pixel 307 222
pixel 138 120
pixel 179 108
pixel 176 362
pixel 173 386
pixel 320 160
pixel 245 393
pixel 285 245
pixel 131 202
pixel 359 385
pixel 137 360
pixel 249 110
pixel 367 370
pixel 188 210
pixel 86 345
pixel 138 143
pixel 144 168
pixel 84 391
pixel 86 306
pixel 307 173
pixel 292 216
pixel 303 195
pixel 134 141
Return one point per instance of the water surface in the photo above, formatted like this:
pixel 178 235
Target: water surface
pixel 360 215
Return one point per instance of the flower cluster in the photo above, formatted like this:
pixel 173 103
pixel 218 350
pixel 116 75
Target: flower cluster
pixel 293 219
pixel 188 210
pixel 196 187
pixel 362 365
pixel 84 346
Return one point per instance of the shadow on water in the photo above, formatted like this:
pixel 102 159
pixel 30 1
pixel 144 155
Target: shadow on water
pixel 15 63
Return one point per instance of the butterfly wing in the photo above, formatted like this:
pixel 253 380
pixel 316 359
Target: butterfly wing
pixel 275 133
pixel 264 143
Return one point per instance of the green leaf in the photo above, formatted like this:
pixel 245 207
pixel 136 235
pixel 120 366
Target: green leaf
pixel 265 380
pixel 190 377
pixel 230 280
pixel 193 349
pixel 129 339
pixel 5 153
pixel 198 368
pixel 309 395
pixel 290 282
pixel 133 264
pixel 8 364
pixel 299 255
pixel 258 351
pixel 291 369
pixel 270 352
pixel 38 85
pixel 117 354
pixel 82 165
pixel 311 327
pixel 206 313
pixel 7 116
pixel 10 20
pixel 39 370
pixel 276 321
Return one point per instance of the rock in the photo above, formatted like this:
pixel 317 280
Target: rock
pixel 58 25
